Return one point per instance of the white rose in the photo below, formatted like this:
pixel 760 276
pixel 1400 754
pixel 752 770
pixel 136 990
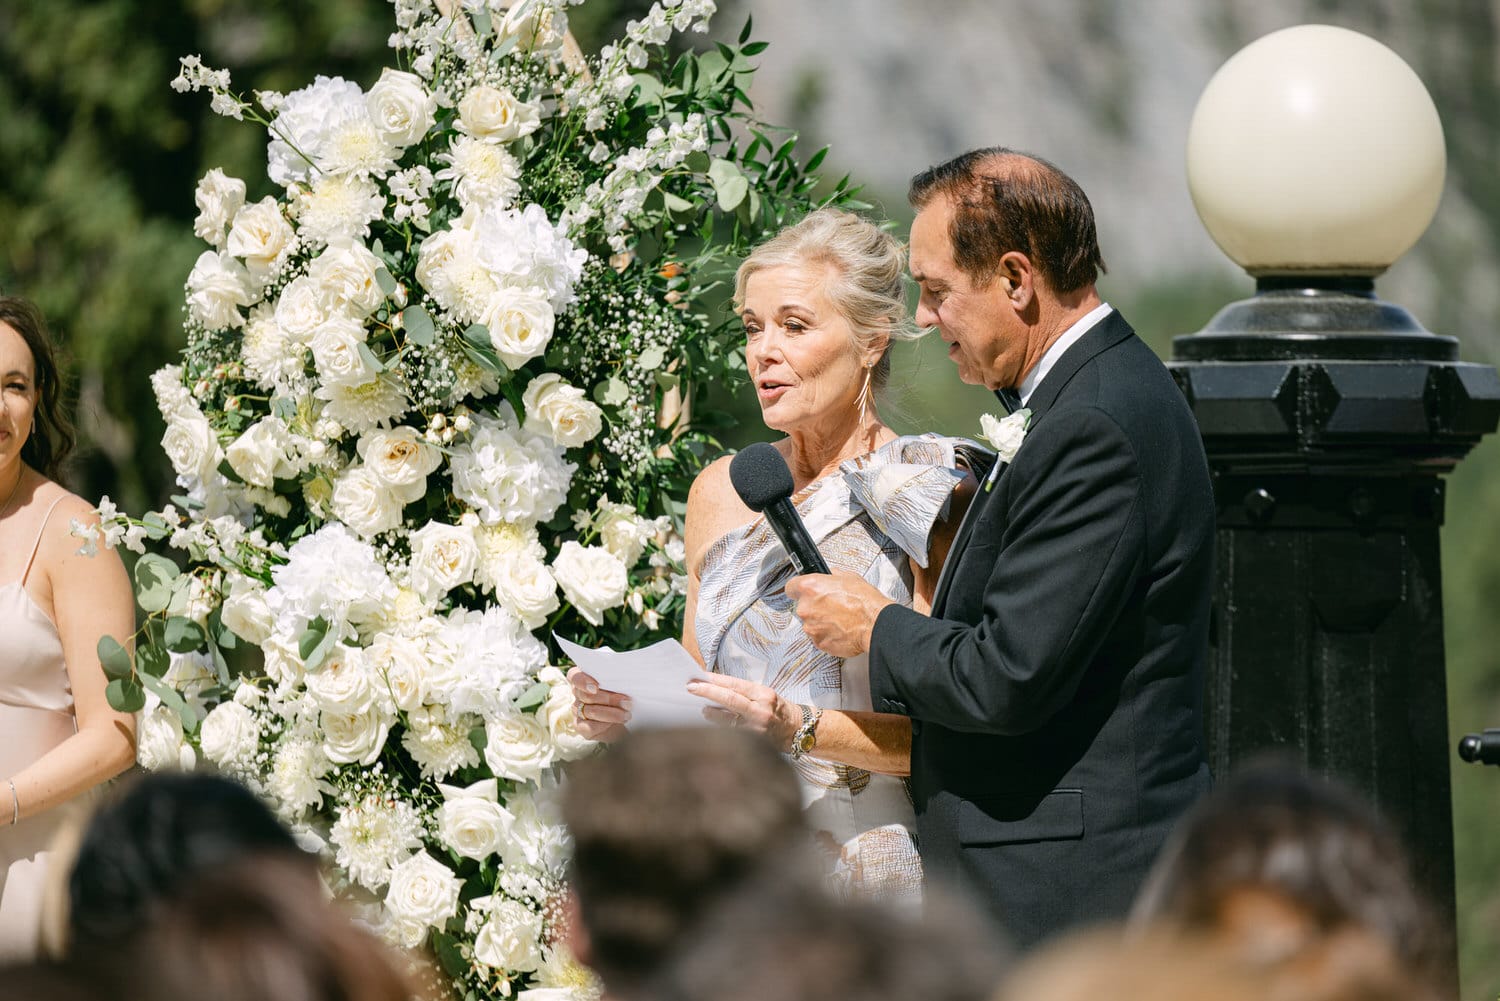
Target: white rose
pixel 245 610
pixel 263 454
pixel 523 584
pixel 558 712
pixel 217 287
pixel 336 352
pixel 518 746
pixel 1006 434
pixel 592 578
pixel 365 504
pixel 351 737
pixel 345 272
pixel 512 937
pixel 158 742
pixel 400 662
pixel 400 459
pixel 536 27
pixel 622 533
pixel 423 894
pixel 301 311
pixel 471 821
pixel 487 112
pixel 442 557
pixel 569 418
pixel 341 683
pixel 230 735
pixel 401 107
pixel 261 237
pixel 283 660
pixel 191 445
pixel 218 197
pixel 520 325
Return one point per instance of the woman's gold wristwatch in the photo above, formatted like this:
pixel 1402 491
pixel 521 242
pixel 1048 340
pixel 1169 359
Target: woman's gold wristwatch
pixel 806 737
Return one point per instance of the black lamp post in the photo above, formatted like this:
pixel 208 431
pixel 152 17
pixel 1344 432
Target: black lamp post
pixel 1316 159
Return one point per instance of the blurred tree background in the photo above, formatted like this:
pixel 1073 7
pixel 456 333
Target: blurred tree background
pixel 99 158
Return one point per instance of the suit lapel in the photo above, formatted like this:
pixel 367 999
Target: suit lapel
pixel 1106 334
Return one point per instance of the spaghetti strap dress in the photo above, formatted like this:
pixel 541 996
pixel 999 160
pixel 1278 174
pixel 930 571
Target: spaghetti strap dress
pixel 36 715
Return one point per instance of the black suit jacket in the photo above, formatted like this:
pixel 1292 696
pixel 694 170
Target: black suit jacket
pixel 1055 691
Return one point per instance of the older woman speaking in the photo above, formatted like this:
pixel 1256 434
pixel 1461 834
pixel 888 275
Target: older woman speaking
pixel 822 303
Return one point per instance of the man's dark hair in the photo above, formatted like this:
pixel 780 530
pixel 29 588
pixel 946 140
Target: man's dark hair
pixel 1310 840
pixel 1009 201
pixel 665 822
pixel 164 833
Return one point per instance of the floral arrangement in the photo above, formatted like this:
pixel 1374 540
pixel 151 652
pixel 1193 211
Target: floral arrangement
pixel 429 411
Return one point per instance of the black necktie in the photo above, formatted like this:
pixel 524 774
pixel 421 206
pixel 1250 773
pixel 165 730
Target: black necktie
pixel 1009 399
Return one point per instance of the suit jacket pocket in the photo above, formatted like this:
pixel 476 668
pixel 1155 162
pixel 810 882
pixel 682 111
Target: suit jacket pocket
pixel 1058 816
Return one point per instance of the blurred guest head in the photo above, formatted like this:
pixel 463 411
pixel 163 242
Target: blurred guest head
pixel 663 823
pixel 256 929
pixel 1276 860
pixel 786 938
pixel 49 981
pixel 1099 965
pixel 159 837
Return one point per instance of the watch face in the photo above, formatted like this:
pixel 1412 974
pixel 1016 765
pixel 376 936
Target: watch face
pixel 805 743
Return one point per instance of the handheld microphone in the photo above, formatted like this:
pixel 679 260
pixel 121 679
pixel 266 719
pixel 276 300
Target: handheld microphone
pixel 1481 748
pixel 764 483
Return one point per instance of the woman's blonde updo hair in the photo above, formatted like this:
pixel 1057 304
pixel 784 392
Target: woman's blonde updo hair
pixel 869 291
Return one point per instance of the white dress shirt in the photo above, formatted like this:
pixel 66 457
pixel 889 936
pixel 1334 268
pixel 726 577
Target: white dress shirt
pixel 1068 339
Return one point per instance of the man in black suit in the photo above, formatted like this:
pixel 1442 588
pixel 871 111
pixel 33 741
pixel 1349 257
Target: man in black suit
pixel 1055 691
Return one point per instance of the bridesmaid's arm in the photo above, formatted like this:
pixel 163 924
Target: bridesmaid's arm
pixel 91 598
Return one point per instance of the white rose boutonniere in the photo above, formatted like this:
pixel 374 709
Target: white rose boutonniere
pixel 1005 435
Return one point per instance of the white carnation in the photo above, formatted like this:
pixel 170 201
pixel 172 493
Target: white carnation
pixel 217 287
pixel 218 198
pixel 483 174
pixel 401 107
pixel 363 407
pixel 443 557
pixel 230 736
pixel 592 579
pixel 562 410
pixel 327 126
pixel 373 835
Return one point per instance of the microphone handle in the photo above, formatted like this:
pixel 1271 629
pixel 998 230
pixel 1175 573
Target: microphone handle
pixel 787 524
pixel 1481 748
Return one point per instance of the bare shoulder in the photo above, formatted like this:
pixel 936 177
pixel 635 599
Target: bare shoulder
pixel 713 508
pixel 59 546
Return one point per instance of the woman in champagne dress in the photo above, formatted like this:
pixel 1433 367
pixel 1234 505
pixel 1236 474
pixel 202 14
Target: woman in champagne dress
pixel 821 303
pixel 58 736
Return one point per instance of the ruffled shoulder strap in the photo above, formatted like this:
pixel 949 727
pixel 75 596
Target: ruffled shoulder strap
pixel 906 486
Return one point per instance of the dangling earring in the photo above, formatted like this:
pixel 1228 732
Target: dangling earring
pixel 864 394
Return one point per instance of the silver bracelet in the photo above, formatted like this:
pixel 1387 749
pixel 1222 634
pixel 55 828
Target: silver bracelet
pixel 15 803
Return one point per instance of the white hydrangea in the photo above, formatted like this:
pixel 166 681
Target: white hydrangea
pixel 327 127
pixel 507 474
pixel 488 249
pixel 497 658
pixel 483 174
pixel 332 575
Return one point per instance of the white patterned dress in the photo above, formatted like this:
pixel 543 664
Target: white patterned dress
pixel 872 519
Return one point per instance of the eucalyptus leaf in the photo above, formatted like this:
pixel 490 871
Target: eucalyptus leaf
pixel 114 658
pixel 172 700
pixel 184 635
pixel 152 659
pixel 612 392
pixel 651 358
pixel 385 281
pixel 155 578
pixel 534 696
pixel 418 326
pixel 367 354
pixel 125 696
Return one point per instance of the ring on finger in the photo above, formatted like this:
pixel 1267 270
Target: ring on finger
pixel 578 710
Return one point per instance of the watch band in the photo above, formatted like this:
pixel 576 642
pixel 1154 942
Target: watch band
pixel 806 737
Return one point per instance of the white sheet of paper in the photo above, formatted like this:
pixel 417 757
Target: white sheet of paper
pixel 655 678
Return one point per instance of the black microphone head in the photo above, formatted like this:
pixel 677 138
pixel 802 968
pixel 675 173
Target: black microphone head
pixel 760 476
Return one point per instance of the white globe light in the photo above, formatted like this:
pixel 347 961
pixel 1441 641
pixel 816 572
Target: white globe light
pixel 1315 151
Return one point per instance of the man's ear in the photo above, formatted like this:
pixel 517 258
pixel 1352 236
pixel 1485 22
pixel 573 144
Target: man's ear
pixel 1017 277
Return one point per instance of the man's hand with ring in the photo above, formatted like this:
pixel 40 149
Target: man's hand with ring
pixel 599 714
